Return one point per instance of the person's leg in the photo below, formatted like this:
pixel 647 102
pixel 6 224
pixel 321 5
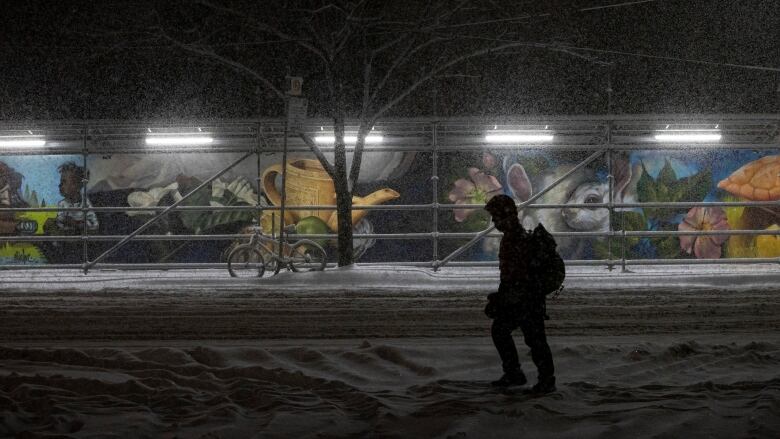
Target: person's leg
pixel 501 331
pixel 536 339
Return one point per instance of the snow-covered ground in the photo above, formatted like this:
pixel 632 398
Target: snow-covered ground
pixel 632 387
pixel 384 352
pixel 388 277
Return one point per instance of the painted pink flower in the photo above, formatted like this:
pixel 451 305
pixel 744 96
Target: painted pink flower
pixel 704 219
pixel 478 189
pixel 489 160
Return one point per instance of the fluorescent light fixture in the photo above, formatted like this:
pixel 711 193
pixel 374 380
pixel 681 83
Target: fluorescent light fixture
pixel 688 136
pixel 518 137
pixel 177 140
pixel 371 138
pixel 21 142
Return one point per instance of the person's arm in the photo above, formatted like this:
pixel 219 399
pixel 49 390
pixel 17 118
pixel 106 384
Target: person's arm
pixel 63 216
pixel 92 221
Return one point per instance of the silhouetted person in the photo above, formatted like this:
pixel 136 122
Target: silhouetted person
pixel 518 302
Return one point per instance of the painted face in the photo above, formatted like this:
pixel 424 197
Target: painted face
pixel 69 186
pixel 588 218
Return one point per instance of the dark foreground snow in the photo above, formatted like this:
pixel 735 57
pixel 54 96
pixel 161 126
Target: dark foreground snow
pixel 232 360
pixel 650 386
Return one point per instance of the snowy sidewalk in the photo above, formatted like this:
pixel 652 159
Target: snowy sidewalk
pixel 762 276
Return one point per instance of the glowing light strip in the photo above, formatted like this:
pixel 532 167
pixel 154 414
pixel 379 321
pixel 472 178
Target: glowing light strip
pixel 372 138
pixel 22 143
pixel 512 138
pixel 688 137
pixel 172 140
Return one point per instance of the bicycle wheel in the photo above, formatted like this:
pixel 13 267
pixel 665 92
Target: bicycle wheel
pixel 246 261
pixel 307 256
pixel 270 252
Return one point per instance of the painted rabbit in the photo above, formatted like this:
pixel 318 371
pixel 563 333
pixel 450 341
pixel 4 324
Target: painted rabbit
pixel 582 187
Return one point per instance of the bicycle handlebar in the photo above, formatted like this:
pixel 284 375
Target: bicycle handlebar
pixel 259 229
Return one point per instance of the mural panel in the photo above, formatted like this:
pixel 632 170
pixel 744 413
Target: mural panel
pixel 393 178
pixel 158 180
pixel 385 178
pixel 41 181
pixel 691 175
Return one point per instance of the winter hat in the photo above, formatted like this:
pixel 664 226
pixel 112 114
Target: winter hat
pixel 501 206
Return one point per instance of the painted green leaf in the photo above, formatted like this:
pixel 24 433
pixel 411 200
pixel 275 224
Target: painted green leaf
pixel 631 221
pixel 646 187
pixel 668 247
pixel 676 193
pixel 208 220
pixel 696 187
pixel 201 198
pixel 478 220
pixel 667 176
pixel 601 250
pixel 662 192
pixel 199 222
pixel 534 165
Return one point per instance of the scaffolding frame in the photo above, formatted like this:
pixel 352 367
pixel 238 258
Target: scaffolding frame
pixel 600 135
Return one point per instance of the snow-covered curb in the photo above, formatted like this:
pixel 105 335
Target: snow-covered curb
pixel 359 277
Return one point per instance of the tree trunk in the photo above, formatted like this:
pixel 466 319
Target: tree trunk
pixel 344 209
pixel 343 194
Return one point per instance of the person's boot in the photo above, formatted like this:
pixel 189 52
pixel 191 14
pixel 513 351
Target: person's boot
pixel 514 378
pixel 545 385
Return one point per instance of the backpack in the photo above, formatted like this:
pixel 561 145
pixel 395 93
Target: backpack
pixel 547 265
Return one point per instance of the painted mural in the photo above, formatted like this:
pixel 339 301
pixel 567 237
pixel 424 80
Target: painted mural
pixel 309 184
pixel 639 176
pixel 39 181
pixel 144 181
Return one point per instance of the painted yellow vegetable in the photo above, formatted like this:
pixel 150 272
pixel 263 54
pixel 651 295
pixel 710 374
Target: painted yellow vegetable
pixel 768 246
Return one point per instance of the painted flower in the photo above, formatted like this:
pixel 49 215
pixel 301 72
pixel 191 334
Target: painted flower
pixel 489 160
pixel 703 219
pixel 478 189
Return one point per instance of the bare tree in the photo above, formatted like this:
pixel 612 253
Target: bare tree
pixel 363 58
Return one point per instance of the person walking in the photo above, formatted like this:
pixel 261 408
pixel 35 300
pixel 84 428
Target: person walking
pixel 519 301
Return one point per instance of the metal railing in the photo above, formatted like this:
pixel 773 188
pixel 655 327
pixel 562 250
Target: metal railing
pixel 598 135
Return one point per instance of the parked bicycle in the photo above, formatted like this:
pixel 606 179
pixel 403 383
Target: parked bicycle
pixel 261 254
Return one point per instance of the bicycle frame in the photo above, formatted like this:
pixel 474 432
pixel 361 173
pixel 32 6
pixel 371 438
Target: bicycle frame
pixel 262 250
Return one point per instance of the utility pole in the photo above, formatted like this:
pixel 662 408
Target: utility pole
pixel 295 107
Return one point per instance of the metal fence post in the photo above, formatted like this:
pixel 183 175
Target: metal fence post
pixel 611 190
pixel 258 183
pixel 282 237
pixel 623 242
pixel 84 210
pixel 435 190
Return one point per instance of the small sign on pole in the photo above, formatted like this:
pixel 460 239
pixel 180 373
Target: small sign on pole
pixel 296 85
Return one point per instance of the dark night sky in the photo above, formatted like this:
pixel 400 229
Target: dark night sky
pixel 54 68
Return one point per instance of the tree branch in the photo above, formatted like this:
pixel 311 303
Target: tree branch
pixel 368 61
pixel 265 27
pixel 445 66
pixel 318 153
pixel 357 155
pixel 401 59
pixel 226 61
